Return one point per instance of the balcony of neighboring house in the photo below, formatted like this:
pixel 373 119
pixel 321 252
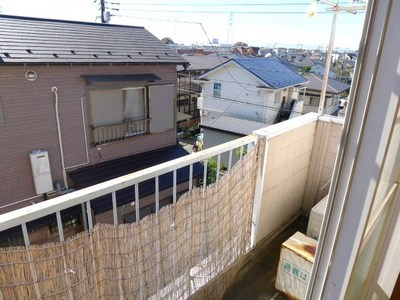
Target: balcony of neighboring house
pixel 188 93
pixel 117 132
pixel 117 114
pixel 203 239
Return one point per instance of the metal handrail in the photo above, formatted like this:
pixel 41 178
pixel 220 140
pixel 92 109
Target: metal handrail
pixel 121 131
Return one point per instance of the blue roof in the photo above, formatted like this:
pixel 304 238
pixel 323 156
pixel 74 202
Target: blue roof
pixel 271 71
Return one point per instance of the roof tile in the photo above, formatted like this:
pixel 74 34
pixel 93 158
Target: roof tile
pixel 272 72
pixel 31 40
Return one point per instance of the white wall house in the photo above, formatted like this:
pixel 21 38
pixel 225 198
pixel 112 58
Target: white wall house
pixel 312 94
pixel 319 69
pixel 251 89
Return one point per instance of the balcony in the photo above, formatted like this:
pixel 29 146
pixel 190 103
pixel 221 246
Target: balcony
pixel 118 132
pixel 192 248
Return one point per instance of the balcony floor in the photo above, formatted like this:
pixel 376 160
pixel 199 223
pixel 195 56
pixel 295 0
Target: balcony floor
pixel 258 281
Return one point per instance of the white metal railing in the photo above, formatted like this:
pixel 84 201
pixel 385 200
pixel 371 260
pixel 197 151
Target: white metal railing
pixel 116 132
pixel 21 216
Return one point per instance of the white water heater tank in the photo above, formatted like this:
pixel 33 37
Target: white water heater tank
pixel 41 171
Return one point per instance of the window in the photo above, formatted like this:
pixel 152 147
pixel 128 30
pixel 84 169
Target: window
pixel 328 102
pixel 134 104
pixel 119 114
pixel 217 89
pixel 278 96
pixel 314 101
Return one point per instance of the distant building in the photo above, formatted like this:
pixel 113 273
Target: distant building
pixel 243 94
pixel 312 94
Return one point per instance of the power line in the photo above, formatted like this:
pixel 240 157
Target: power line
pixel 197 23
pixel 221 12
pixel 158 20
pixel 212 4
pixel 242 85
pixel 255 104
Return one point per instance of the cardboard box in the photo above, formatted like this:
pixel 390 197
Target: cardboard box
pixel 295 263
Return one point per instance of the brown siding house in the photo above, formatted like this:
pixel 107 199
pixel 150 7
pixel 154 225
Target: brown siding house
pixel 85 94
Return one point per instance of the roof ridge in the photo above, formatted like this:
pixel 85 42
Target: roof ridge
pixel 64 21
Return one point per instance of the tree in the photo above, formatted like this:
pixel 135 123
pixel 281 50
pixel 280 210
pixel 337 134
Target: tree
pixel 305 70
pixel 167 40
pixel 240 44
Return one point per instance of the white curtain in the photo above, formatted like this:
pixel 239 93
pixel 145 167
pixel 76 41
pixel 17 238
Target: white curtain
pixel 134 104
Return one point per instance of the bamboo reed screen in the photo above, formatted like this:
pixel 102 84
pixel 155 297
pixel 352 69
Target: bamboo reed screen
pixel 168 255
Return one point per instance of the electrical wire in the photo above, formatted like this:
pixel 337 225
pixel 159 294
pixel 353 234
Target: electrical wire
pixel 158 20
pixel 242 85
pixel 222 63
pixel 212 4
pixel 190 93
pixel 237 82
pixel 222 12
pixel 255 104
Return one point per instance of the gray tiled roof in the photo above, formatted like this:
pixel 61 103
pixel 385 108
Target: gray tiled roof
pixel 232 124
pixel 333 87
pixel 31 40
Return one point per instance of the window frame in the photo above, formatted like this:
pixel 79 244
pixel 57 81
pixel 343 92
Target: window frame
pixel 217 88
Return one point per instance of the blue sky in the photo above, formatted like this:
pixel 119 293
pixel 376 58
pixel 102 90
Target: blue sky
pixel 256 22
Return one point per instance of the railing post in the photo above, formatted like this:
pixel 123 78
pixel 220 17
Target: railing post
pixel 60 226
pixel 258 194
pixel 25 234
pixel 205 174
pixel 157 192
pixel 89 215
pixel 174 187
pixel 190 177
pixel 230 159
pixel 137 205
pixel 84 217
pixel 218 167
pixel 114 204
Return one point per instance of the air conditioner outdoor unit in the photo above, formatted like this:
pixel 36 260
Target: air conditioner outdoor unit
pixel 315 220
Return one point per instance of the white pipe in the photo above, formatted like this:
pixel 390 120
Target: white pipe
pixel 20 201
pixel 64 173
pixel 85 137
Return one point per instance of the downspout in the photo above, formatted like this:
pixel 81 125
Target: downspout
pixel 54 90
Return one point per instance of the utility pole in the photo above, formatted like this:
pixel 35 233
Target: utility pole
pixel 336 8
pixel 228 36
pixel 327 63
pixel 102 10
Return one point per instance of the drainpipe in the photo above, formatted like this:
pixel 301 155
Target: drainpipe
pixel 54 90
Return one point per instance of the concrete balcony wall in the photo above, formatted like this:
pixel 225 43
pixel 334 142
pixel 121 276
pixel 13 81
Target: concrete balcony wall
pixel 325 147
pixel 288 153
pixel 298 164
